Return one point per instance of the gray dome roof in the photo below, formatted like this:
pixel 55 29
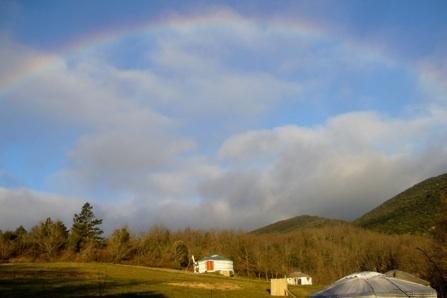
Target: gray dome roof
pixel 214 258
pixel 406 276
pixel 374 284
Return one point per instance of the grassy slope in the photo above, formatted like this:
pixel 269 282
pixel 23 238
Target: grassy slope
pixel 411 211
pixel 298 222
pixel 110 280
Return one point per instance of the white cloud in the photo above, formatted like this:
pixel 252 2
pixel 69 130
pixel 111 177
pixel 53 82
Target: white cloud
pixel 74 97
pixel 135 133
pixel 121 159
pixel 432 77
pixel 339 169
pixel 27 207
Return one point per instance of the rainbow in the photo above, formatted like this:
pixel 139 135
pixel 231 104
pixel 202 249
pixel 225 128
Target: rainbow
pixel 225 18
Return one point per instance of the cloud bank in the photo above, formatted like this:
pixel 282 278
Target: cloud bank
pixel 199 133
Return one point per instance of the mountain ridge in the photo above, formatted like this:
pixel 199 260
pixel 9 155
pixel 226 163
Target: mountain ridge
pixel 298 222
pixel 411 211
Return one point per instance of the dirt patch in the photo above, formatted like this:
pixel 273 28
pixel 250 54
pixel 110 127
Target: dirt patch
pixel 201 285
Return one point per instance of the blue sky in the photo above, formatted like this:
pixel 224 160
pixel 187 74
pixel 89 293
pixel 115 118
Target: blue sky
pixel 244 112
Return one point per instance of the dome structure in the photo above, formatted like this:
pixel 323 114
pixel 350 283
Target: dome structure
pixel 373 284
pixel 406 276
pixel 214 263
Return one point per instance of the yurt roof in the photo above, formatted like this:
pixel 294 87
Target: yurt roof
pixel 298 274
pixel 406 276
pixel 374 284
pixel 214 258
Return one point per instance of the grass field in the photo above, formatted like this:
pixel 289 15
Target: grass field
pixel 110 280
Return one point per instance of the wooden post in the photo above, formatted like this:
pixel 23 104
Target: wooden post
pixel 278 287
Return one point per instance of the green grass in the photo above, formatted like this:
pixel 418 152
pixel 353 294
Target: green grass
pixel 110 280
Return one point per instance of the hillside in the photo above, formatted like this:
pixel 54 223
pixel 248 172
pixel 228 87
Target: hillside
pixel 411 211
pixel 298 222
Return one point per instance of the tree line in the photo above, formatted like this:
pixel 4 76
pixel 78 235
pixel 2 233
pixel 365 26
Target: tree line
pixel 326 253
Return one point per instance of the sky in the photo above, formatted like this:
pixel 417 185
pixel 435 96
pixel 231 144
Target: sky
pixel 222 114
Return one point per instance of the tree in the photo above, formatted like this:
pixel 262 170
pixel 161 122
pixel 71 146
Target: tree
pixel 118 244
pixel 438 256
pixel 7 245
pixel 20 231
pixel 22 242
pixel 13 243
pixel 181 254
pixel 49 237
pixel 85 228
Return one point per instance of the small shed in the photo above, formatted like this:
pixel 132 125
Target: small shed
pixel 298 279
pixel 278 287
pixel 214 263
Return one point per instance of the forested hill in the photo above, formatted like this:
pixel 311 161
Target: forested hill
pixel 298 222
pixel 412 211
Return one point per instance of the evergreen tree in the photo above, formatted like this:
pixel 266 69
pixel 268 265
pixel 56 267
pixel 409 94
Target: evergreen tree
pixel 85 228
pixel 181 254
pixel 20 231
pixel 22 240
